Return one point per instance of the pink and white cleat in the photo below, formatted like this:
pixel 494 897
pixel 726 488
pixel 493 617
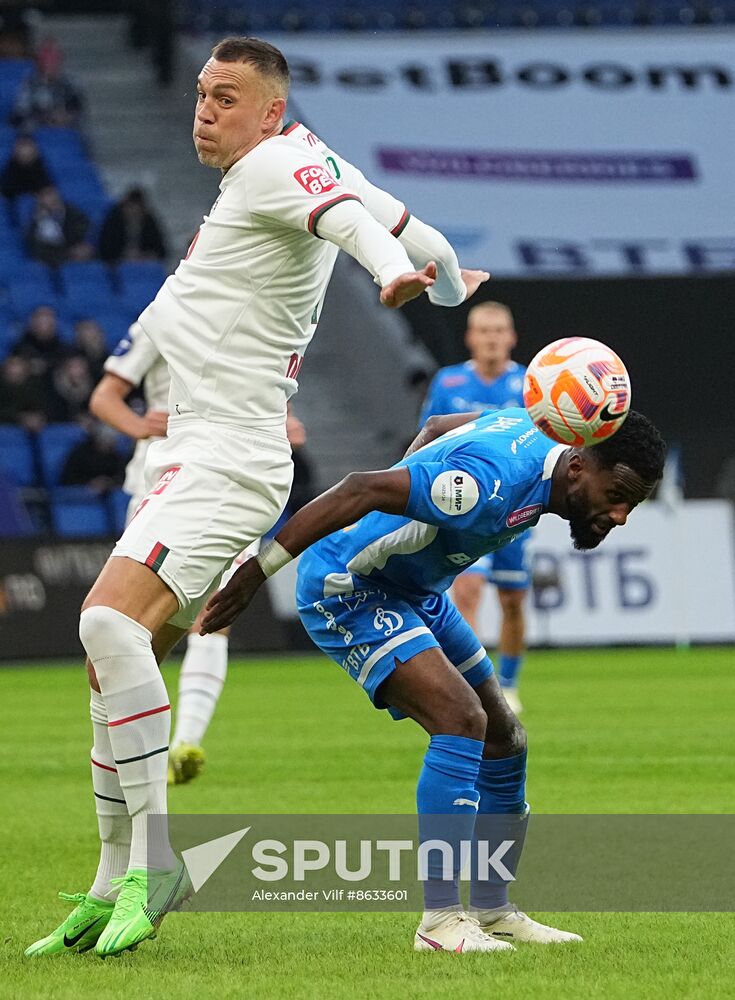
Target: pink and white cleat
pixel 454 930
pixel 510 924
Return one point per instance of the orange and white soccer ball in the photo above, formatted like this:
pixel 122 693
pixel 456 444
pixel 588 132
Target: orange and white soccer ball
pixel 577 391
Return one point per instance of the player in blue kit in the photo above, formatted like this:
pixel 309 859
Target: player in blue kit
pixel 490 380
pixel 385 548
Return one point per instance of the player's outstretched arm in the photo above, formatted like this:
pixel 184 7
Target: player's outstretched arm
pixel 351 227
pixel 453 284
pixel 108 405
pixel 437 425
pixel 356 495
pixel 422 242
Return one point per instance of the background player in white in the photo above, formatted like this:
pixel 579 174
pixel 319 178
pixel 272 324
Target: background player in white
pixel 232 323
pixel 136 362
pixel 489 380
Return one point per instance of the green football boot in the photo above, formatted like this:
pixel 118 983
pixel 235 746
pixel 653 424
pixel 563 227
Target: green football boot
pixel 185 762
pixel 80 930
pixel 145 899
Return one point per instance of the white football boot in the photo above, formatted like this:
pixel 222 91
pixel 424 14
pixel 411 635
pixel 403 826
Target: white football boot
pixel 454 930
pixel 510 924
pixel 511 696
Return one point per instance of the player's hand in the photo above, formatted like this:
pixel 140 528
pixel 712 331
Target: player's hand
pixel 473 279
pixel 408 286
pixel 224 606
pixel 295 431
pixel 155 423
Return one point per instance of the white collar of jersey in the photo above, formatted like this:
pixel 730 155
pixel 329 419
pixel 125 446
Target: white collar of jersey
pixel 551 459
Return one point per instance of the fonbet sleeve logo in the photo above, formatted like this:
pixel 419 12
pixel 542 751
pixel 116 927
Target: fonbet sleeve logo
pixel 454 492
pixel 315 179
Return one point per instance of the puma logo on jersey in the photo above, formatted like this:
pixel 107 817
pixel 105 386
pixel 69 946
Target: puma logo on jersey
pixel 495 495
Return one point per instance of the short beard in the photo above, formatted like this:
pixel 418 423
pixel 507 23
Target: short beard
pixel 583 537
pixel 580 527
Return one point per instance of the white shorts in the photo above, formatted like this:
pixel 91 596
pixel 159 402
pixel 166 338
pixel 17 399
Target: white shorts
pixel 217 490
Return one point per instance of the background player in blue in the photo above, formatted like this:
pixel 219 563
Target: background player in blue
pixel 490 380
pixel 385 547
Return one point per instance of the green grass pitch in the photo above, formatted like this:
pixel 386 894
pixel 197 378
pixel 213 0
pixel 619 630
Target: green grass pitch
pixel 610 731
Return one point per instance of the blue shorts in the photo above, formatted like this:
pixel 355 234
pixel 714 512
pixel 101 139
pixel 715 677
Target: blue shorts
pixel 507 568
pixel 367 631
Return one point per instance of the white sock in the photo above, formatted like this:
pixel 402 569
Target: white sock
pixel 113 818
pixel 201 680
pixel 139 722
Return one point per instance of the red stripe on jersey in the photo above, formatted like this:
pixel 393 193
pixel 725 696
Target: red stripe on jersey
pixel 140 715
pixel 321 209
pixel 290 128
pixel 401 224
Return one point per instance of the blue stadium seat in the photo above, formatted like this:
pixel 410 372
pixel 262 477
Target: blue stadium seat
pixel 87 289
pixel 137 271
pixel 139 283
pixel 54 141
pixel 15 521
pixel 77 511
pixel 12 258
pixel 9 332
pixel 17 459
pixel 83 274
pixel 25 295
pixel 115 324
pixel 54 444
pixel 22 211
pixel 118 501
pixel 12 74
pixel 135 299
pixel 7 139
pixel 83 190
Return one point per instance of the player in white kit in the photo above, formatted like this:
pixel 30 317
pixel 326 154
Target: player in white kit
pixel 232 323
pixel 136 362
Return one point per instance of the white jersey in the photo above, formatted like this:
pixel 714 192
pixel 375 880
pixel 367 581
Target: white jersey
pixel 137 360
pixel 234 320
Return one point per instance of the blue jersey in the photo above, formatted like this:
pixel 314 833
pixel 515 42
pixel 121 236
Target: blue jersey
pixel 460 389
pixel 473 490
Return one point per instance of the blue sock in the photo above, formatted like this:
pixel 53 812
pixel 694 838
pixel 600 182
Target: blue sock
pixel 509 668
pixel 447 787
pixel 502 788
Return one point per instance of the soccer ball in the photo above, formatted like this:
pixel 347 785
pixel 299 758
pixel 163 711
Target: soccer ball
pixel 577 391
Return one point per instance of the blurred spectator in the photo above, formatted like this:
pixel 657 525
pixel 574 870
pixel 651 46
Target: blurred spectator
pixel 22 397
pixel 14 518
pixel 89 340
pixel 15 31
pixel 40 343
pixel 71 385
pixel 131 231
pixel 302 488
pixel 95 462
pixel 57 230
pixel 47 97
pixel 25 171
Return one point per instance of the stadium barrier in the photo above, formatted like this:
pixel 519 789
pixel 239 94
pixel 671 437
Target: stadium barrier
pixel 43 584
